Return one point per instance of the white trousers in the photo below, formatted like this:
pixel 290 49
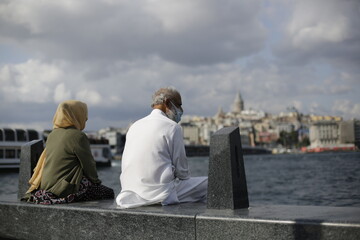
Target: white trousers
pixel 190 190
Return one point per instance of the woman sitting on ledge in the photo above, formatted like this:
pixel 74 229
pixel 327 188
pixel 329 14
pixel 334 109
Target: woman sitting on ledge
pixel 66 170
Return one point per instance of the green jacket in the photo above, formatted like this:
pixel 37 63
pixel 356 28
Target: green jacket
pixel 68 159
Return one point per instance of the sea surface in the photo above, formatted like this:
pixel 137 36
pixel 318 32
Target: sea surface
pixel 321 179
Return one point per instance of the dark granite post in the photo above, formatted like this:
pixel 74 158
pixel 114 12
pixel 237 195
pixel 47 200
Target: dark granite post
pixel 227 187
pixel 30 153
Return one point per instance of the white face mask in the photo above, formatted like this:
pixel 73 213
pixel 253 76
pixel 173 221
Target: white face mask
pixel 175 113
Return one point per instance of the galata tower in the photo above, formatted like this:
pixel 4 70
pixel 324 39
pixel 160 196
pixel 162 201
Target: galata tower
pixel 238 104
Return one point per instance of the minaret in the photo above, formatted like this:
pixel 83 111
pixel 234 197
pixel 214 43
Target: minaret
pixel 220 113
pixel 238 104
pixel 219 117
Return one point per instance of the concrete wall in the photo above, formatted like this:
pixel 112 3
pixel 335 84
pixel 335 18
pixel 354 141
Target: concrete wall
pixel 103 220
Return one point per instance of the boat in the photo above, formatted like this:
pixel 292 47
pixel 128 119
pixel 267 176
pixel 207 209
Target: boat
pixel 251 150
pixel 101 151
pixel 12 139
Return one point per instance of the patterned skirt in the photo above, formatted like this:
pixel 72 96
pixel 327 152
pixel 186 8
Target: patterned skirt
pixel 87 192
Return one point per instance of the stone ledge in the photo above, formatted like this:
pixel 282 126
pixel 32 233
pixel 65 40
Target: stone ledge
pixel 104 220
pixel 280 222
pixel 94 220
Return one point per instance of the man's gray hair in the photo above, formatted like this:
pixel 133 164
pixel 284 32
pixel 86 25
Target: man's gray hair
pixel 161 95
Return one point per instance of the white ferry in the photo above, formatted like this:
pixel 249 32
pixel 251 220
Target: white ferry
pixel 101 152
pixel 11 141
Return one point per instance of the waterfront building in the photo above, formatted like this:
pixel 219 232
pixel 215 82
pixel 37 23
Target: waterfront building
pixel 324 133
pixel 288 121
pixel 247 133
pixel 200 128
pixel 116 138
pixel 285 127
pixel 225 119
pixel 191 134
pixel 357 133
pixel 252 115
pixel 207 131
pixel 347 132
pixel 260 128
pixel 267 138
pixel 266 132
pixel 317 118
pixel 332 135
pixel 303 132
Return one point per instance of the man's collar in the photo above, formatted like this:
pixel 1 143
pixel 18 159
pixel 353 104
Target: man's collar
pixel 156 111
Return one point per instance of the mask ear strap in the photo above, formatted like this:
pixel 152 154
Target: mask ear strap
pixel 168 103
pixel 172 104
pixel 175 108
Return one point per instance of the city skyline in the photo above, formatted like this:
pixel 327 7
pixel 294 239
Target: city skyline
pixel 114 55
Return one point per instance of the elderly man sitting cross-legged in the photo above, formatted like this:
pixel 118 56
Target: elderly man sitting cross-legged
pixel 154 163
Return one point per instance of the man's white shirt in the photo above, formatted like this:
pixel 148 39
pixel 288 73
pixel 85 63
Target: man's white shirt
pixel 153 160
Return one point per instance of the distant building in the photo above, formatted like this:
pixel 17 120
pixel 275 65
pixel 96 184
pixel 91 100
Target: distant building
pixel 315 118
pixel 285 127
pixel 263 129
pixel 347 131
pixel 191 134
pixel 238 104
pixel 247 133
pixel 266 138
pixel 116 137
pixel 206 131
pixel 252 115
pixel 357 133
pixel 220 117
pixel 220 113
pixel 324 133
pixel 288 121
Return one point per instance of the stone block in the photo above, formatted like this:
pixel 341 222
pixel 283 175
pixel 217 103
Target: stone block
pixel 280 223
pixel 95 220
pixel 227 187
pixel 30 153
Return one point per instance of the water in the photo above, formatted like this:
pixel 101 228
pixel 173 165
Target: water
pixel 326 179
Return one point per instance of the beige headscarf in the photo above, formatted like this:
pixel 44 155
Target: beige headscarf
pixel 69 113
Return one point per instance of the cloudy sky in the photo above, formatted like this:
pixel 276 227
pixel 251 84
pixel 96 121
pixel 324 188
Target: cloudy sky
pixel 113 54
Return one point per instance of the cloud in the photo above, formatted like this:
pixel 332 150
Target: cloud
pixel 37 82
pixel 297 104
pixel 61 93
pixel 122 92
pixel 323 30
pixel 310 27
pixel 115 54
pixel 186 32
pixel 29 81
pixel 89 96
pixel 346 108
